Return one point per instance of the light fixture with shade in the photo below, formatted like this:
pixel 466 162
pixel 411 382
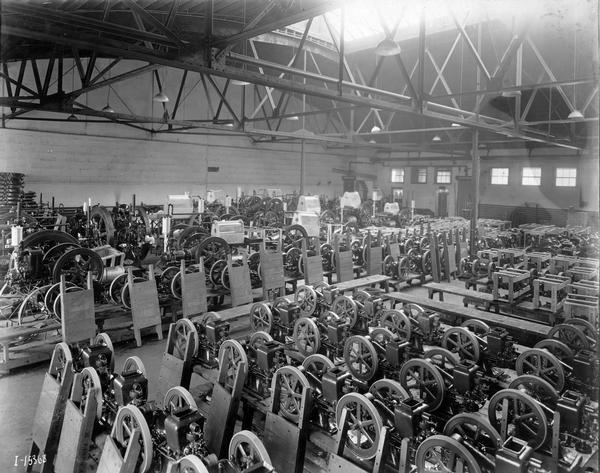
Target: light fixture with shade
pixel 108 109
pixel 373 142
pixel 239 82
pixel 72 118
pixel 387 47
pixel 511 93
pixel 575 115
pixel 161 97
pixel 293 118
pixel 436 138
pixel 375 129
pixel 455 124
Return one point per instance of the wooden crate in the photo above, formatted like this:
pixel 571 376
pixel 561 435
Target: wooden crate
pixel 549 293
pixel 515 258
pixel 510 284
pixel 537 260
pixel 583 307
pixel 585 287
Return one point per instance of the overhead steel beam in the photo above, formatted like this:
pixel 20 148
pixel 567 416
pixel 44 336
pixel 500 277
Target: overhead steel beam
pixel 168 32
pixel 469 43
pixel 397 102
pixel 251 24
pixel 323 7
pixel 70 20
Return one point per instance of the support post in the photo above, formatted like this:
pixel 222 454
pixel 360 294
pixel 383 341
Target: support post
pixel 475 213
pixel 302 167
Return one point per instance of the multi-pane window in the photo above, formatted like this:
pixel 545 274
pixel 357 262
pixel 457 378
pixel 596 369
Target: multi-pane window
pixel 500 176
pixel 419 175
pixel 566 177
pixel 531 176
pixel 443 176
pixel 397 175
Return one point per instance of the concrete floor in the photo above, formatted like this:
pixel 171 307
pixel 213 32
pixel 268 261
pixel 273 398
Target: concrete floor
pixel 20 391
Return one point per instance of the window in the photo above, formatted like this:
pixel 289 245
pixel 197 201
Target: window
pixel 531 176
pixel 397 175
pixel 397 194
pixel 419 175
pixel 443 176
pixel 566 177
pixel 500 176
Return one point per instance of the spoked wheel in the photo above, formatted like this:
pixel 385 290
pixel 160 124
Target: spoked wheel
pixel 292 385
pixel 403 268
pixel 413 310
pixel 426 262
pixel 90 380
pixel 53 254
pixel 102 339
pixel 61 356
pixel 46 239
pixel 126 293
pixel 191 464
pixel 538 389
pixel 364 424
pixel 477 434
pixel 115 288
pixel 307 338
pixel 261 317
pixel 75 265
pixel 52 293
pixel 306 298
pixel 383 336
pixel 440 453
pixel 317 365
pixel 175 286
pixel 588 329
pixel 387 395
pixel 397 322
pixel 102 225
pixel 33 305
pixel 258 339
pixel 559 349
pixel 56 311
pixel 361 358
pixel 231 355
pixel 293 235
pixel 389 267
pixel 524 418
pixel 543 364
pixel 346 309
pixel 216 272
pixel 247 452
pixel 442 359
pixel 212 249
pixel 572 335
pixel 129 419
pixel 460 340
pixel 178 398
pixel 478 327
pixel 423 381
pixel 185 330
pixel 134 363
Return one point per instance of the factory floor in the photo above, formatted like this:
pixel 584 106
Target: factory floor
pixel 20 391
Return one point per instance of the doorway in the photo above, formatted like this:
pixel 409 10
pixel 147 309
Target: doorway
pixel 464 196
pixel 442 202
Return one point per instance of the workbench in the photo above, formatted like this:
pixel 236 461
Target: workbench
pixel 524 331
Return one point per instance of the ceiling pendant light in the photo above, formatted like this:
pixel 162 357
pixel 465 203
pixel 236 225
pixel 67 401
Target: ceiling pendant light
pixel 375 129
pixel 239 82
pixel 436 138
pixel 72 118
pixel 161 97
pixel 108 109
pixel 293 118
pixel 576 115
pixel 388 47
